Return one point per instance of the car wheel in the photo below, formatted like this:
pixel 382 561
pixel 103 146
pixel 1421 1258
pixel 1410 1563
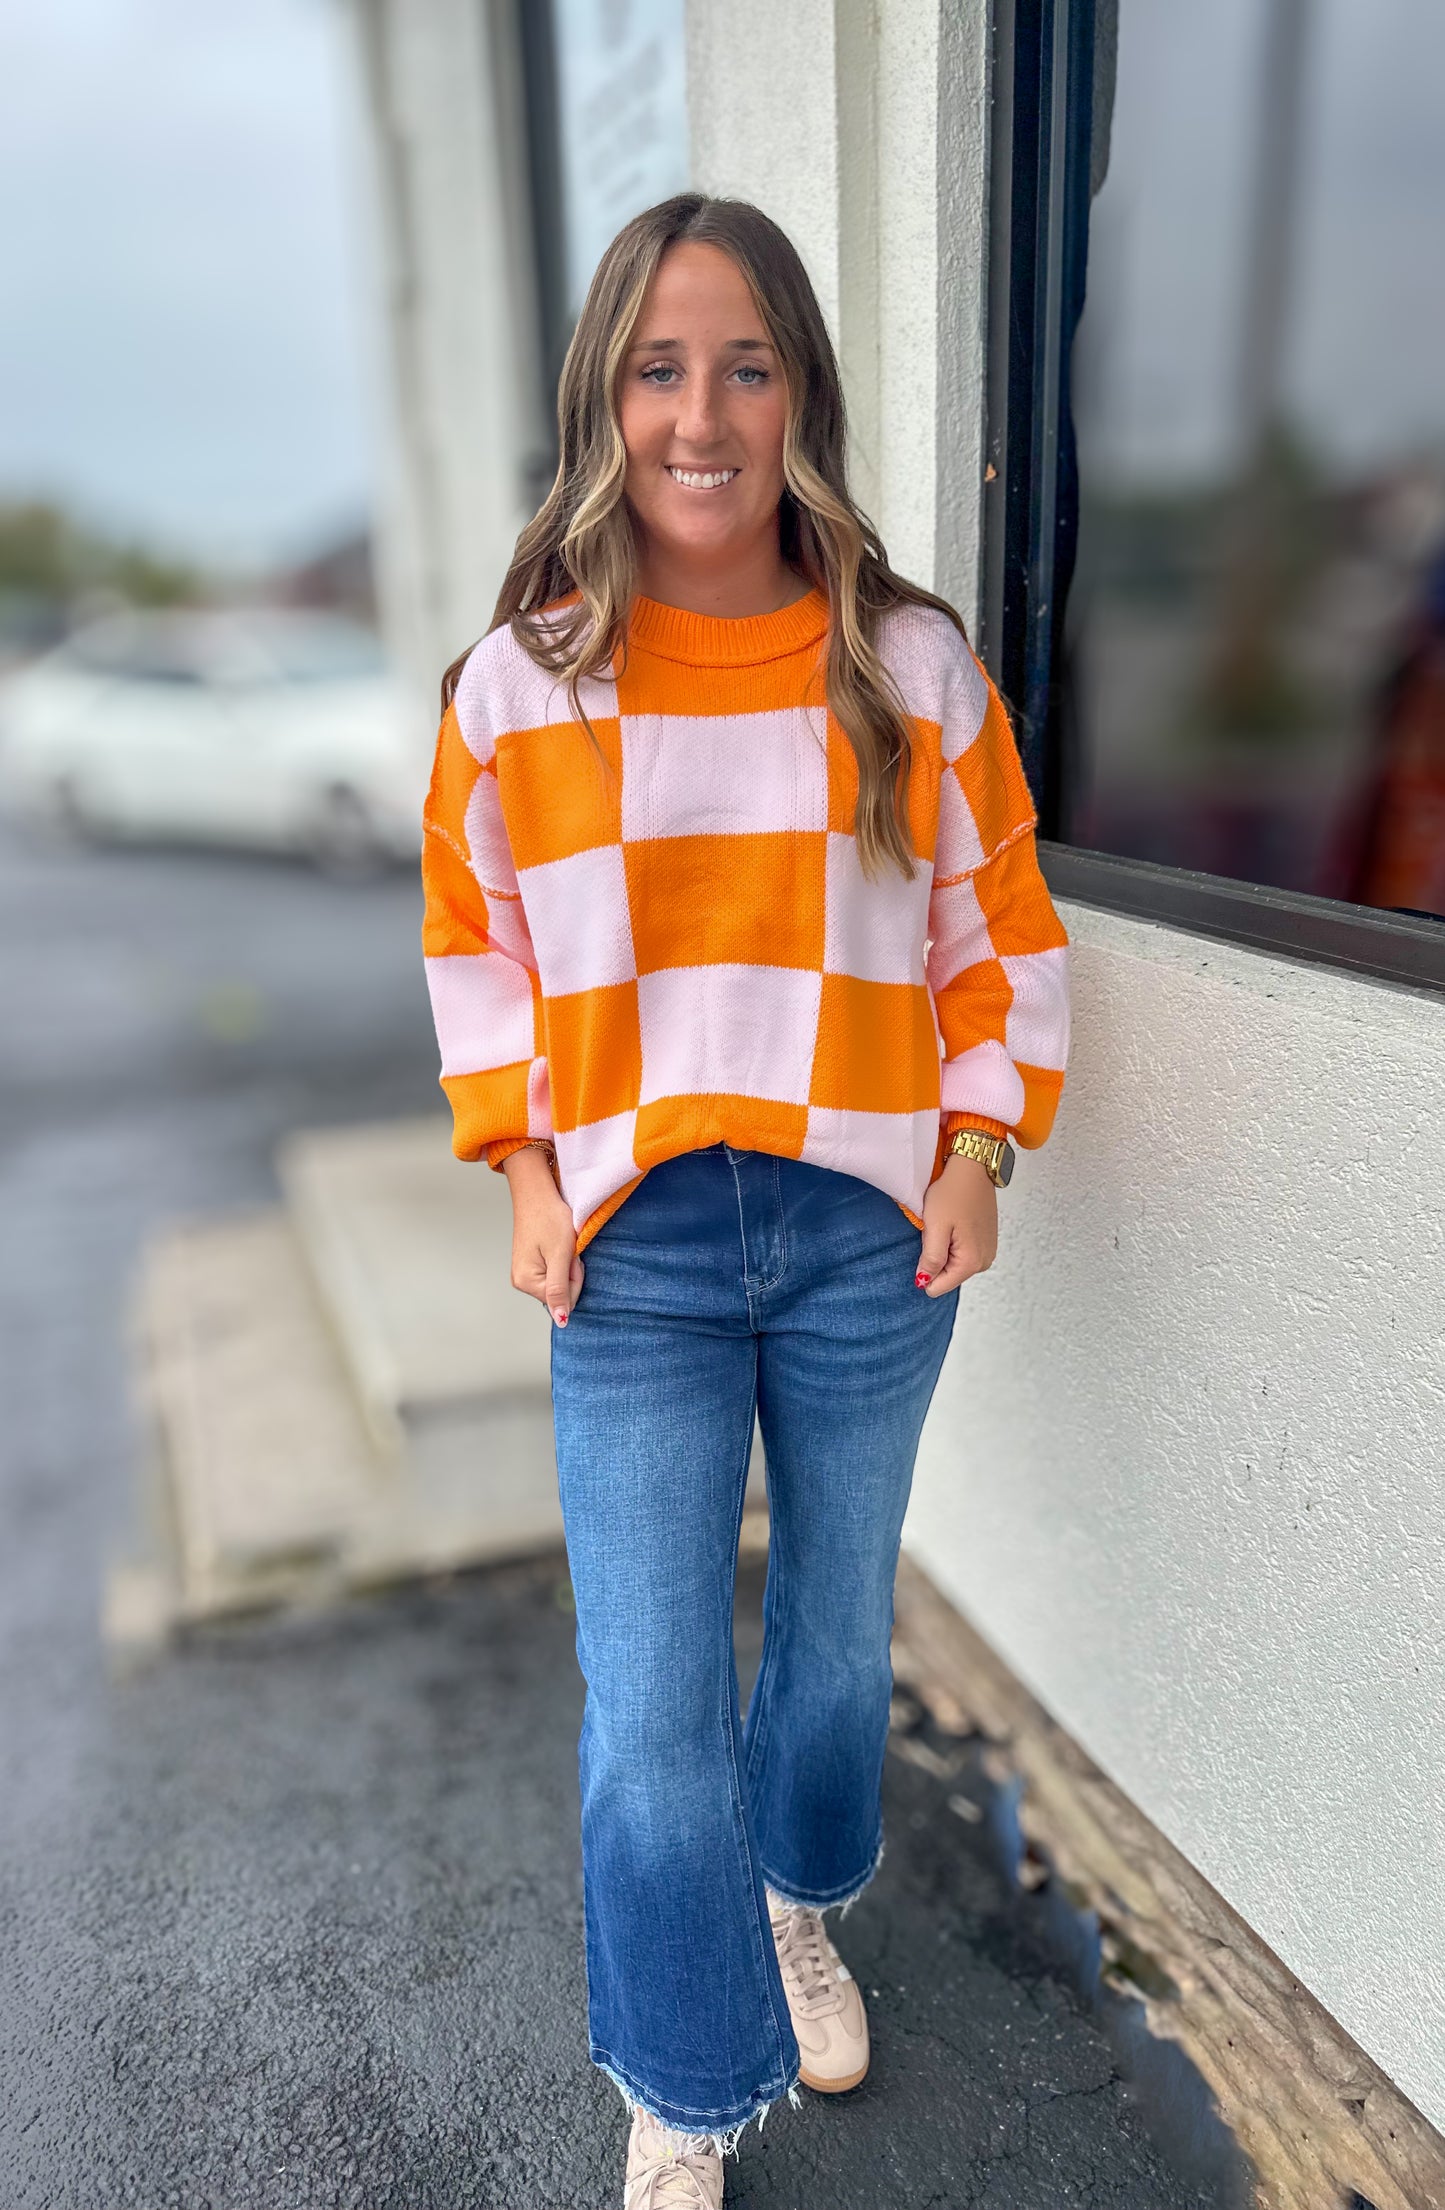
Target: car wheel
pixel 344 840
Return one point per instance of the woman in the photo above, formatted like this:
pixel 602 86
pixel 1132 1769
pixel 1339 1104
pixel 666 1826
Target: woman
pixel 728 842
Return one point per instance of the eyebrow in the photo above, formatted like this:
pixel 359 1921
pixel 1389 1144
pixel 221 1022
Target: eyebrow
pixel 675 345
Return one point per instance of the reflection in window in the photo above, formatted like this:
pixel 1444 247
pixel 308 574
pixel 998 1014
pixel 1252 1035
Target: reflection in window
pixel 1257 624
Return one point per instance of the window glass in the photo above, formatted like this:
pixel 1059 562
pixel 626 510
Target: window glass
pixel 1257 623
pixel 621 118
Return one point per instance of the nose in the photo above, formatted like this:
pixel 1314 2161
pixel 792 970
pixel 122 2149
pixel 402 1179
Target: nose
pixel 697 413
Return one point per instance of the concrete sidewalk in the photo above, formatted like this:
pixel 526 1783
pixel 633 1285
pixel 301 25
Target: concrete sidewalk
pixel 292 1916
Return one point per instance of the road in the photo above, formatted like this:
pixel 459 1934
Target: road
pixel 291 1917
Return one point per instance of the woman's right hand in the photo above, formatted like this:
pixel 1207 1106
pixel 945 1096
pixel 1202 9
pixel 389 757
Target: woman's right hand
pixel 545 1264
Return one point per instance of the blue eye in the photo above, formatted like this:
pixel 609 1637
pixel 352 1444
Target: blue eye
pixel 661 372
pixel 750 371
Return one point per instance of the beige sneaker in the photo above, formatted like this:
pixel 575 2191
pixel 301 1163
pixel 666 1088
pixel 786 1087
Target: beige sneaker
pixel 671 2171
pixel 824 2001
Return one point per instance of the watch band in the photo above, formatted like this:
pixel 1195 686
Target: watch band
pixel 542 1143
pixel 994 1153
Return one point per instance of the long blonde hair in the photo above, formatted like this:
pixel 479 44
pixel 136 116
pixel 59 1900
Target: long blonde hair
pixel 581 545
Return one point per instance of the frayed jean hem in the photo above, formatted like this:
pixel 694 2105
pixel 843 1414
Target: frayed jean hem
pixel 832 1899
pixel 726 2127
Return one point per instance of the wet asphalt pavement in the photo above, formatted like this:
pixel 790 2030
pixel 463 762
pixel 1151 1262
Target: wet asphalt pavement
pixel 291 1919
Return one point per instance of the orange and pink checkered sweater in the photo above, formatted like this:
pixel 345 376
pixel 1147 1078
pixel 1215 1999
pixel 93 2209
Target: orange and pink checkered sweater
pixel 685 950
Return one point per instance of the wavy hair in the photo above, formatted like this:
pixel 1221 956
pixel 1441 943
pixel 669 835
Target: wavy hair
pixel 581 549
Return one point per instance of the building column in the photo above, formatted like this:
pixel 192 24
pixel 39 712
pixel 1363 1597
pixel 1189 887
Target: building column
pixel 861 127
pixel 463 414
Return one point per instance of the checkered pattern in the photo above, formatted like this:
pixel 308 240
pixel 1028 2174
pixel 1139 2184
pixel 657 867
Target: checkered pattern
pixel 674 944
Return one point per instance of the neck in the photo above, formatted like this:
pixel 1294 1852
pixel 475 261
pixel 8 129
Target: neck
pixel 757 581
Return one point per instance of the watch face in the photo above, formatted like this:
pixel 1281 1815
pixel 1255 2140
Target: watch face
pixel 1006 1165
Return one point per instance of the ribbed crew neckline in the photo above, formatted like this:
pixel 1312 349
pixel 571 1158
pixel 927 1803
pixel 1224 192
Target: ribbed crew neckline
pixel 715 640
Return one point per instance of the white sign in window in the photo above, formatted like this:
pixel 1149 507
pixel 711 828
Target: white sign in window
pixel 622 119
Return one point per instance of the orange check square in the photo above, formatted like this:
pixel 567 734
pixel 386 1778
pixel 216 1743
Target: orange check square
pixel 924 769
pixel 649 684
pixel 976 1001
pixel 842 779
pixel 877 1047
pixel 922 783
pixel 558 797
pixel 453 779
pixel 454 918
pixel 1043 1087
pixel 1016 905
pixel 594 1053
pixel 753 900
pixel 992 777
pixel 673 1124
pixel 484 1106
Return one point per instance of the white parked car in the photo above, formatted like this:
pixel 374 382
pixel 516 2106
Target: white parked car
pixel 275 729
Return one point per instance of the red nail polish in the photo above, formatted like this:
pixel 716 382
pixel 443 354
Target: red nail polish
pixel 559 1314
pixel 921 1280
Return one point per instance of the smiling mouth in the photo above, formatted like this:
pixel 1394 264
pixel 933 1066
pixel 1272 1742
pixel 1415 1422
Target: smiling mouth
pixel 697 479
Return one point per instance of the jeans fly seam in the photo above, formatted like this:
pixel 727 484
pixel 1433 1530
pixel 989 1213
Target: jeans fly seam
pixel 773 1279
pixel 742 1234
pixel 751 1286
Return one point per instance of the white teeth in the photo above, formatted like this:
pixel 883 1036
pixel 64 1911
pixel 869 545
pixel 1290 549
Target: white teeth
pixel 697 481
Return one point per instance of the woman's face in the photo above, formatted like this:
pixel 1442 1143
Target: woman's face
pixel 703 405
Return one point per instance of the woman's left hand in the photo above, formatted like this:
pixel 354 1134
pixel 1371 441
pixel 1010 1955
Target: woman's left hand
pixel 960 1226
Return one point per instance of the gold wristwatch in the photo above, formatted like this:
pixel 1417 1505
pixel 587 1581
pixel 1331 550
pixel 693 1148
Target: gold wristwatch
pixel 995 1153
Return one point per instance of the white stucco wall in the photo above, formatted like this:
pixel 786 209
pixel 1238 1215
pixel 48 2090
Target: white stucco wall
pixel 1186 1462
pixel 861 128
pixel 762 116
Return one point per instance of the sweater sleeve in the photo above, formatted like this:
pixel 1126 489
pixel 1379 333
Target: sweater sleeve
pixel 997 961
pixel 480 966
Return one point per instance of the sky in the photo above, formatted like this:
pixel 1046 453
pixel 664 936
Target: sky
pixel 1365 374
pixel 188 346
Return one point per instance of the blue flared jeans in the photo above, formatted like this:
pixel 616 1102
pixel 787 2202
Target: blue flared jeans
pixel 732 1283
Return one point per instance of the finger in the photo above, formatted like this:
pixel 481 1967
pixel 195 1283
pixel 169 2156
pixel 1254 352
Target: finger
pixel 960 1265
pixel 529 1272
pixel 933 1257
pixel 559 1297
pixel 576 1276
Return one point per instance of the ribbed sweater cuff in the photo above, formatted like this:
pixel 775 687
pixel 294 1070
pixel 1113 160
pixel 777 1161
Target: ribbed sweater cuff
pixel 952 1122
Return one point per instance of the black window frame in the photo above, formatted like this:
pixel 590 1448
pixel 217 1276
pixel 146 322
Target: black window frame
pixel 1044 111
pixel 537 45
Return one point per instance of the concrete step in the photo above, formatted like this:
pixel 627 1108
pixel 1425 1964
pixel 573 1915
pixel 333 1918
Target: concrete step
pixel 261 1465
pixel 266 1485
pixel 343 1391
pixel 411 1252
